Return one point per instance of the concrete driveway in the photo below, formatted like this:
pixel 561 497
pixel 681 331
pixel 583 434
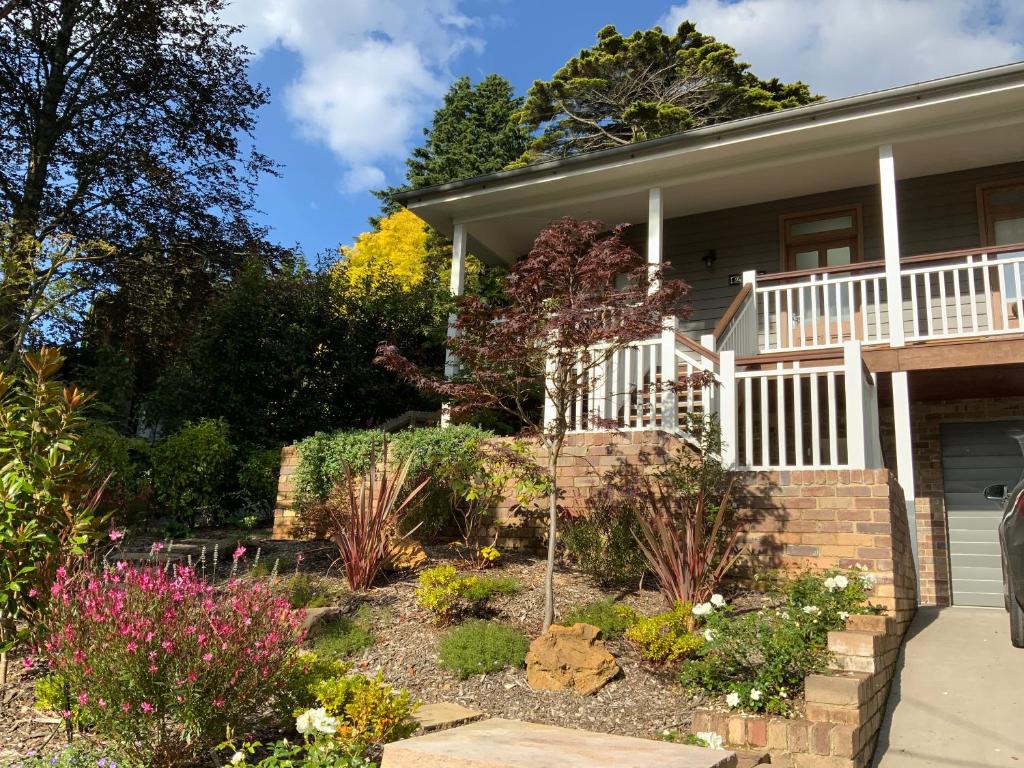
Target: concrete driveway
pixel 958 698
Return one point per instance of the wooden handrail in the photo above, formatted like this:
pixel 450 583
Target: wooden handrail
pixel 697 347
pixel 946 255
pixel 861 266
pixel 857 266
pixel 732 310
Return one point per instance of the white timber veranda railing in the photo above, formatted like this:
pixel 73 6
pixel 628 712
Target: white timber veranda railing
pixel 821 417
pixel 959 294
pixel 640 386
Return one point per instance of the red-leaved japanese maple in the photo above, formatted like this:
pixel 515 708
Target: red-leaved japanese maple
pixel 581 286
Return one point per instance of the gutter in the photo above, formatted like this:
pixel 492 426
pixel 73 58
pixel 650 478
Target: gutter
pixel 863 103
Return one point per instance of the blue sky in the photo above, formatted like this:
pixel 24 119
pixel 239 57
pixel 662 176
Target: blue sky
pixel 353 82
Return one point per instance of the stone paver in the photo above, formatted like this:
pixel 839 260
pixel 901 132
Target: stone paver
pixel 959 696
pixel 498 743
pixel 434 717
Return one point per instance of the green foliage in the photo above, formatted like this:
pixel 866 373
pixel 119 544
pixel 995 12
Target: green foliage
pixel 628 89
pixel 313 752
pixel 760 658
pixel 50 693
pixel 455 460
pixel 473 133
pixel 76 756
pixel 446 593
pixel 49 486
pixel 125 460
pixel 308 669
pixel 369 711
pixel 665 638
pixel 305 591
pixel 257 481
pixel 344 636
pixel 611 617
pixel 602 540
pixel 192 471
pixel 304 362
pixel 479 647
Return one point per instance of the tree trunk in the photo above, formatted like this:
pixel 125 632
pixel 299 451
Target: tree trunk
pixel 549 575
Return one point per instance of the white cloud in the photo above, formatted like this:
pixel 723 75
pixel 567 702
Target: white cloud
pixel 843 47
pixel 371 71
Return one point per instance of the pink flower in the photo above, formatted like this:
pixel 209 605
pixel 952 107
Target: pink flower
pixel 218 703
pixel 207 657
pixel 27 662
pixel 116 535
pixel 147 707
pixel 238 552
pixel 126 707
pixel 83 698
pixel 33 592
pixel 101 703
pixel 157 547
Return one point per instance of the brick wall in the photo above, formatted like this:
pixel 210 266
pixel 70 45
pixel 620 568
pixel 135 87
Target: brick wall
pixel 284 509
pixel 843 710
pixel 807 519
pixel 926 440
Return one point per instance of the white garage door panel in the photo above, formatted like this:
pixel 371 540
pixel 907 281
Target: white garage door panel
pixel 975 455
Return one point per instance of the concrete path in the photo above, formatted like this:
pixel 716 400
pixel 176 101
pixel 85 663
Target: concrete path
pixel 958 698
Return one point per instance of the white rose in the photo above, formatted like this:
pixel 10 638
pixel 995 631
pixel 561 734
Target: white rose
pixel 237 758
pixel 718 601
pixel 812 610
pixel 709 635
pixel 755 694
pixel 304 722
pixel 830 584
pixel 711 739
pixel 733 699
pixel 842 582
pixel 844 615
pixel 702 609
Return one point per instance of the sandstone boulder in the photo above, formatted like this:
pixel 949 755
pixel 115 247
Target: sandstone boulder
pixel 570 658
pixel 406 555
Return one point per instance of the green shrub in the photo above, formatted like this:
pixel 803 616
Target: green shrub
pixel 305 591
pixel 48 485
pixel 665 638
pixel 445 592
pixel 192 471
pixel 343 636
pixel 125 460
pixel 611 617
pixel 478 647
pixel 444 455
pixel 602 541
pixel 369 711
pixel 308 669
pixel 257 481
pixel 760 659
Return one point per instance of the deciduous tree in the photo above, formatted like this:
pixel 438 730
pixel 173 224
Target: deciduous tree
pixel 627 89
pixel 580 286
pixel 127 122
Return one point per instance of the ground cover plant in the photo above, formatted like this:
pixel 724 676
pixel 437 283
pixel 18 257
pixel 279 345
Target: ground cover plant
pixel 610 616
pixel 344 636
pixel 479 647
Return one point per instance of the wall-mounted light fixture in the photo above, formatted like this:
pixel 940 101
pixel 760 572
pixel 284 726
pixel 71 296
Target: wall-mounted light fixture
pixel 710 258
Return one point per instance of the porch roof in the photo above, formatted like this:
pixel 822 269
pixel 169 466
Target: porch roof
pixel 970 120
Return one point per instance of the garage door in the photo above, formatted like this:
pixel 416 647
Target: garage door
pixel 975 455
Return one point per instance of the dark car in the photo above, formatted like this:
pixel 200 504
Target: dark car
pixel 1011 544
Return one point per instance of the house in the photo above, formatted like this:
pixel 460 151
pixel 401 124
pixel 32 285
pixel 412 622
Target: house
pixel 857 268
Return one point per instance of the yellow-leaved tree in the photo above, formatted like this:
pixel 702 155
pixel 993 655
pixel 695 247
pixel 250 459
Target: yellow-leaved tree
pixel 395 254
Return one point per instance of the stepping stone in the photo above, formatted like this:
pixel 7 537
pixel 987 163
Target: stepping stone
pixel 499 743
pixel 750 759
pixel 436 717
pixel 315 615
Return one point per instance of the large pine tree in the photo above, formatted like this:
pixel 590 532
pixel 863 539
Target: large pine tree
pixel 628 89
